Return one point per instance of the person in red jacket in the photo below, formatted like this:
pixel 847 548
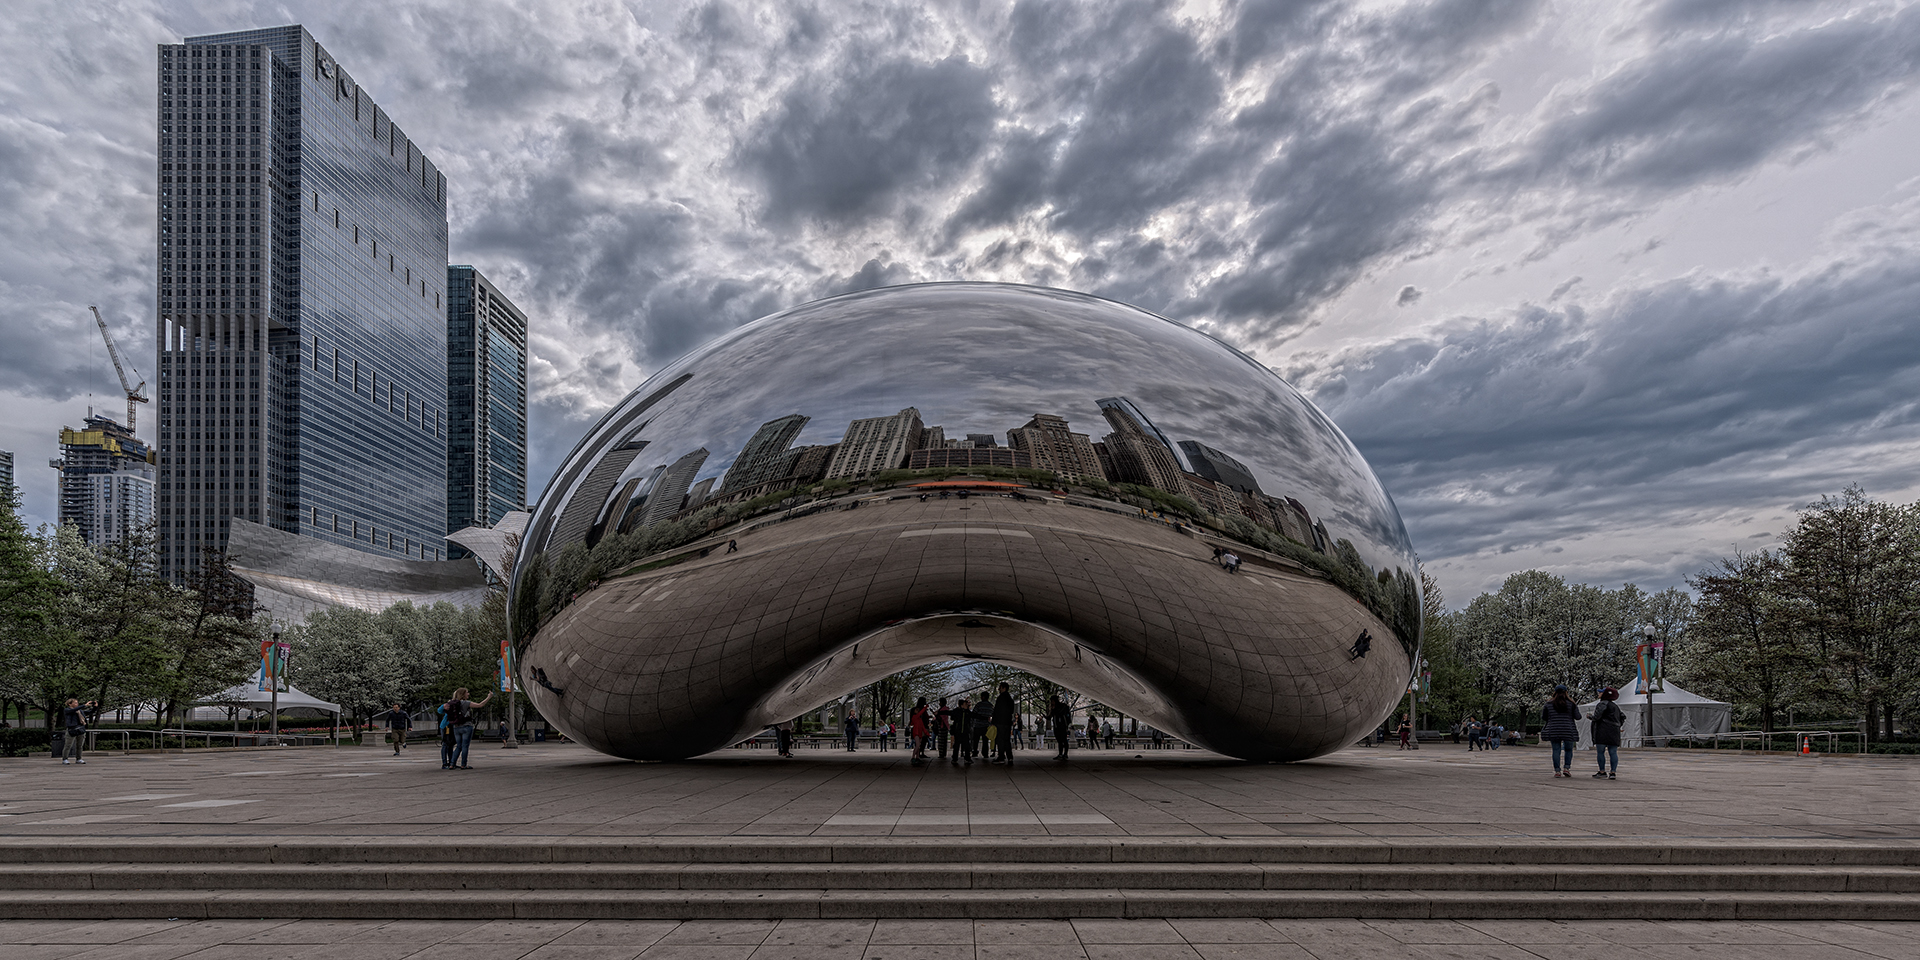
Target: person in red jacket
pixel 918 724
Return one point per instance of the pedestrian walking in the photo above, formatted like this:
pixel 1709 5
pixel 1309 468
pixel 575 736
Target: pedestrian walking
pixel 942 725
pixel 920 728
pixel 733 546
pixel 460 713
pixel 1003 725
pixel 1499 733
pixel 783 738
pixel 446 738
pixel 1405 730
pixel 1474 732
pixel 852 727
pixel 1559 716
pixel 398 726
pixel 1062 719
pixel 74 718
pixel 1608 718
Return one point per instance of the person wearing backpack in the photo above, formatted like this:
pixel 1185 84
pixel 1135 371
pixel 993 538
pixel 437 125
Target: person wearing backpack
pixel 1608 718
pixel 460 712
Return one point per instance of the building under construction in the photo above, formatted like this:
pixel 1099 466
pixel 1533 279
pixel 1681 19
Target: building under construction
pixel 106 480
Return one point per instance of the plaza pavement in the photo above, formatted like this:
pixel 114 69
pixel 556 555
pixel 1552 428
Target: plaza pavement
pixel 952 940
pixel 1440 792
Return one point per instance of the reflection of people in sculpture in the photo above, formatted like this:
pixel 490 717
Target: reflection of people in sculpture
pixel 1360 646
pixel 1003 726
pixel 733 546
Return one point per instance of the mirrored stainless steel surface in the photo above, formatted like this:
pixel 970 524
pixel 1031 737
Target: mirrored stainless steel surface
pixel 966 471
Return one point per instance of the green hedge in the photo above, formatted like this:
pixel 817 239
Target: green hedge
pixel 15 741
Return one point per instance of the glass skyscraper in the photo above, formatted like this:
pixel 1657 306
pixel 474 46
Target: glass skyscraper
pixel 486 402
pixel 301 304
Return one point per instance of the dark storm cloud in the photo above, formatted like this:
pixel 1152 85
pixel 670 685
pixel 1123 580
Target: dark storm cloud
pixel 1716 105
pixel 847 153
pixel 1686 392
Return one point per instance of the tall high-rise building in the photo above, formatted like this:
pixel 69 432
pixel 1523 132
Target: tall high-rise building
pixel 1053 446
pixel 486 402
pixel 877 443
pixel 301 316
pixel 6 476
pixel 1219 467
pixel 1138 452
pixel 669 494
pixel 106 481
pixel 766 456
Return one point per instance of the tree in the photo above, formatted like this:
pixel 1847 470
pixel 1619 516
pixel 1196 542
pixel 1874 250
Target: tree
pixel 28 593
pixel 213 634
pixel 109 641
pixel 1746 645
pixel 1853 565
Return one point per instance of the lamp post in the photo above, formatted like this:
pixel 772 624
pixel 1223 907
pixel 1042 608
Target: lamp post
pixel 273 666
pixel 1647 666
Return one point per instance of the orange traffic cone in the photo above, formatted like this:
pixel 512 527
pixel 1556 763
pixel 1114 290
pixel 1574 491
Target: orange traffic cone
pixel 1806 745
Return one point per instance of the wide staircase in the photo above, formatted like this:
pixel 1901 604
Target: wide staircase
pixel 1011 877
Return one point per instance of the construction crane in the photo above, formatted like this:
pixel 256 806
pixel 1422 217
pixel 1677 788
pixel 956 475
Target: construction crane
pixel 134 394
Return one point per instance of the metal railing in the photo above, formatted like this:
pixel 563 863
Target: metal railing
pixel 159 738
pixel 1778 741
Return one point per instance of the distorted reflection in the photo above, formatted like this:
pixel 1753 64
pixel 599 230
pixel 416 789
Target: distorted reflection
pixel 939 391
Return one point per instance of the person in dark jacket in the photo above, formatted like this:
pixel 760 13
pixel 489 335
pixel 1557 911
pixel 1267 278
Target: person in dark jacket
pixel 942 725
pixel 73 716
pixel 977 729
pixel 1062 720
pixel 852 726
pixel 398 726
pixel 1003 726
pixel 1608 718
pixel 1559 716
pixel 961 718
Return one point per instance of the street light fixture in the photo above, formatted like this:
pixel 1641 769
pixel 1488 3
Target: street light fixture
pixel 1647 667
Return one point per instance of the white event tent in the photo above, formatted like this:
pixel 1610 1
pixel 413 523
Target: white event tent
pixel 249 696
pixel 1676 713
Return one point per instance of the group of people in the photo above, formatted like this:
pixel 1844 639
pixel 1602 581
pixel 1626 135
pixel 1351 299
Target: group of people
pixel 456 720
pixel 974 728
pixel 1482 734
pixel 1559 728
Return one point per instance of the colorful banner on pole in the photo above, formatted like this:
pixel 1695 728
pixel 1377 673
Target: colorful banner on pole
pixel 1651 656
pixel 273 666
pixel 506 666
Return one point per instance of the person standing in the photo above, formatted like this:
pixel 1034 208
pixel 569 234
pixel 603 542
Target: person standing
pixel 446 739
pixel 1003 725
pixel 783 738
pixel 460 713
pixel 1106 734
pixel 920 728
pixel 942 725
pixel 1608 718
pixel 852 727
pixel 398 726
pixel 1406 731
pixel 1559 716
pixel 1474 733
pixel 73 717
pixel 977 730
pixel 962 715
pixel 1062 720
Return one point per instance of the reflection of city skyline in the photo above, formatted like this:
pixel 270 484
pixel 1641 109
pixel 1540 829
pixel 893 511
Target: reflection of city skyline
pixel 1135 452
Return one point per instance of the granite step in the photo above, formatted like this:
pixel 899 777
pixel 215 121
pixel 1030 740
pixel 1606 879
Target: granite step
pixel 945 904
pixel 512 877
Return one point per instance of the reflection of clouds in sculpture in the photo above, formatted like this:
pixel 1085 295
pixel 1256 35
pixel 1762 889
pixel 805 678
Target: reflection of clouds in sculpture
pixel 1252 663
pixel 981 358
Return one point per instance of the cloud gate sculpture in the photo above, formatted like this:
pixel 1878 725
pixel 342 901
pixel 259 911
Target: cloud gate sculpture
pixel 966 471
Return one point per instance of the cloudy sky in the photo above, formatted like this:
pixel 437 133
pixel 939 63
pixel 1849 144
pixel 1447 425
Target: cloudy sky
pixel 1604 289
